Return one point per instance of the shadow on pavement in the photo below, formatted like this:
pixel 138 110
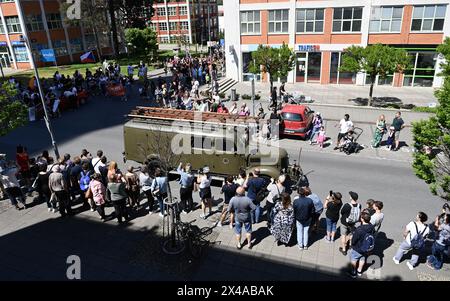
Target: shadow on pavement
pixel 111 252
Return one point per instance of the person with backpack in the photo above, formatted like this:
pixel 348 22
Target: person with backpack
pixel 436 259
pixel 363 242
pixel 350 214
pixel 414 234
pixel 303 213
pixel 84 179
pixel 132 187
pixel 257 192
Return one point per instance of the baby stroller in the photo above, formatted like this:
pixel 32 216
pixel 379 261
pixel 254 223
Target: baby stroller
pixel 350 143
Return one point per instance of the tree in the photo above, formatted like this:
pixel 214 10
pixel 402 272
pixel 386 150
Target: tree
pixel 374 60
pixel 432 137
pixel 13 113
pixel 143 42
pixel 93 17
pixel 277 62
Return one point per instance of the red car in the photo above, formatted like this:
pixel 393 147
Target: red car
pixel 296 120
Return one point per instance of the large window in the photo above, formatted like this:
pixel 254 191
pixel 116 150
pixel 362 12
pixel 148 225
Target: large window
pixel 89 39
pixel 164 40
pixel 163 26
pixel 182 10
pixel 34 23
pixel 279 21
pixel 428 18
pixel 60 47
pixel 423 69
pixel 309 20
pixel 172 11
pixel 13 24
pixel 386 19
pixel 172 25
pixel 250 22
pixel 21 53
pixel 54 21
pixel 184 25
pixel 347 19
pixel 2 28
pixel 339 77
pixel 76 46
pixel 161 11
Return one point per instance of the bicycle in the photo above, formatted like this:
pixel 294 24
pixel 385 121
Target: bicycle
pixel 193 236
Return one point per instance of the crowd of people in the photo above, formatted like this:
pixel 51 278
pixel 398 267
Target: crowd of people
pixel 95 183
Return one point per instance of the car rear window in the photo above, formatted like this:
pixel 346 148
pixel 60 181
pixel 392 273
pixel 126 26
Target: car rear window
pixel 292 117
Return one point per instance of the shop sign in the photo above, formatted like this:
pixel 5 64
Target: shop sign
pixel 309 48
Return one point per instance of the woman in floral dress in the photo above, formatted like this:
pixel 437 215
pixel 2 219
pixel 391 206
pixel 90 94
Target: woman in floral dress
pixel 284 220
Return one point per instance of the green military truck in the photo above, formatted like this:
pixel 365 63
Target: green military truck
pixel 220 141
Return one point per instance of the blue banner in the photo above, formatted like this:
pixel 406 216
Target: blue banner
pixel 222 42
pixel 48 55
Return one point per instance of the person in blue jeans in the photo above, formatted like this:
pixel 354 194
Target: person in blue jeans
pixel 436 259
pixel 159 189
pixel 303 214
pixel 317 124
pixel 333 205
pixel 253 186
pixel 242 206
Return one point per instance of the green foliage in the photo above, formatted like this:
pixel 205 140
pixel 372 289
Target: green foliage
pixel 142 42
pixel 375 60
pixel 432 138
pixel 278 62
pixel 425 109
pixel 13 113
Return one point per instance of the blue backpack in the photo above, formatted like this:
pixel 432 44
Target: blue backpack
pixel 85 180
pixel 418 241
pixel 368 243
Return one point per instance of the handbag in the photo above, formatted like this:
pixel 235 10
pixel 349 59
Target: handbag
pixel 88 194
pixel 276 198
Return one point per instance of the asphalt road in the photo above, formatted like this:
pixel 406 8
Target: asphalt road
pixel 98 125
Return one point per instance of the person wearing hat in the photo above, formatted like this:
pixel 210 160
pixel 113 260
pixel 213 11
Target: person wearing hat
pixel 350 214
pixel 317 124
pixel 333 204
pixel 204 182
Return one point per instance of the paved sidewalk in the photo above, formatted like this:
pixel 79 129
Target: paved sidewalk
pixel 340 94
pixel 34 245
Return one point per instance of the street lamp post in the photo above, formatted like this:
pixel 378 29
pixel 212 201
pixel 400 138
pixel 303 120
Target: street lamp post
pixel 41 95
pixel 24 38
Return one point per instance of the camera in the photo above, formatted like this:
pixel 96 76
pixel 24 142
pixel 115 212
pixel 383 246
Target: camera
pixel 331 192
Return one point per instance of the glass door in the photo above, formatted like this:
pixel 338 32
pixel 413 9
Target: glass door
pixel 301 67
pixel 4 60
pixel 314 66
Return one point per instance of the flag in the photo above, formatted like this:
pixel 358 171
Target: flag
pixel 88 57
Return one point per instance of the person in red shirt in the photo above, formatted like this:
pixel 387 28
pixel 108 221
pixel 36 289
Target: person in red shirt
pixel 222 109
pixel 24 164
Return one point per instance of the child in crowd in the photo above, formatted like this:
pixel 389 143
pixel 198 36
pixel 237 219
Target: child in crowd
pixel 391 138
pixel 321 137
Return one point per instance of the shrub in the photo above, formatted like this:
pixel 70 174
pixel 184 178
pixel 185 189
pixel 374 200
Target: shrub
pixel 424 109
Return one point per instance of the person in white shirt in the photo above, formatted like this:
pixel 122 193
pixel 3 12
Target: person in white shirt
pixel 345 125
pixel 97 162
pixel 377 218
pixel 234 109
pixel 411 233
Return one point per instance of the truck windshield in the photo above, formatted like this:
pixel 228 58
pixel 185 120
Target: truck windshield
pixel 292 117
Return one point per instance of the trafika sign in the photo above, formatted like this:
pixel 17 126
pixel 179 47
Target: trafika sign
pixel 74 9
